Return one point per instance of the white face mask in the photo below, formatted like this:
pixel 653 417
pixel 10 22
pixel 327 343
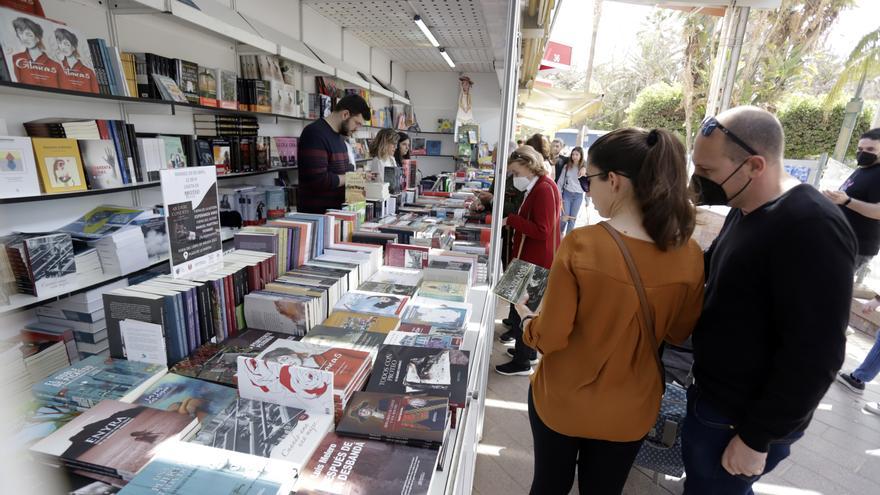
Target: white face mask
pixel 521 183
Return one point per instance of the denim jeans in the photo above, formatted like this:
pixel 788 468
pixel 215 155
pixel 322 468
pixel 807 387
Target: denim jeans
pixel 870 367
pixel 571 205
pixel 705 436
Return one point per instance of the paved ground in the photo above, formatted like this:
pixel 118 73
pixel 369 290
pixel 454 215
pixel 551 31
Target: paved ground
pixel 839 455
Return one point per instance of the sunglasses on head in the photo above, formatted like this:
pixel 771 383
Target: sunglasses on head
pixel 711 123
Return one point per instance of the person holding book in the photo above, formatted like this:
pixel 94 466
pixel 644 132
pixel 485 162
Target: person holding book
pixel 382 148
pixel 403 148
pixel 75 75
pixel 597 391
pixel 535 228
pixel 572 192
pixel 323 156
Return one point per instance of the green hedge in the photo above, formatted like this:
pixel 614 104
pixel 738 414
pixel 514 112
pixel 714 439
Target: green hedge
pixel 658 106
pixel 809 132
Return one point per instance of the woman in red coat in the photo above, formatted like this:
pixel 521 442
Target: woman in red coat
pixel 535 234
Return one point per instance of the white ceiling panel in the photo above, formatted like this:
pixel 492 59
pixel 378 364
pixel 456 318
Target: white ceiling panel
pixel 459 25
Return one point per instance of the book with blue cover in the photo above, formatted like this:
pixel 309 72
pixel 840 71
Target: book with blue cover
pixel 191 469
pixel 97 378
pixel 432 147
pixel 196 398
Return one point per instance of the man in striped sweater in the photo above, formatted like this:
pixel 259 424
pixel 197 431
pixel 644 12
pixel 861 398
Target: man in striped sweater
pixel 323 156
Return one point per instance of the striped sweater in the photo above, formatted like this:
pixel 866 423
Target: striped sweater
pixel 323 157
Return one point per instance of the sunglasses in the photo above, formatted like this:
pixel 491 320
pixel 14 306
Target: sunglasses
pixel 600 174
pixel 711 123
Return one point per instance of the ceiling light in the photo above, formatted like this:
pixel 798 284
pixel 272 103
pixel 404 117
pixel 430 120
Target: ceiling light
pixel 428 34
pixel 446 58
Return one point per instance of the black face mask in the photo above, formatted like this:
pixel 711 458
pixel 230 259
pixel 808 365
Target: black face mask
pixel 863 158
pixel 711 193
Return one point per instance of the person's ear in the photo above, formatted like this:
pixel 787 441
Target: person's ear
pixel 345 114
pixel 615 181
pixel 757 166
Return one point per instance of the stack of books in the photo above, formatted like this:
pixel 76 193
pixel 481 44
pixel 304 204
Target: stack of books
pixel 123 251
pixel 15 379
pixel 350 368
pixel 43 264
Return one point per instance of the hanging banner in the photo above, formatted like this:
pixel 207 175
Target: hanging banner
pixel 556 56
pixel 192 219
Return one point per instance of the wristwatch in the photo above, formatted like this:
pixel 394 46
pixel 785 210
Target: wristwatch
pixel 848 201
pixel 524 320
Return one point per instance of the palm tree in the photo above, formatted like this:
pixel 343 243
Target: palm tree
pixel 597 14
pixel 863 63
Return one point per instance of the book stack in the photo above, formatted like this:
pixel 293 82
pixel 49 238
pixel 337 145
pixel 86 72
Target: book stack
pixel 40 334
pixel 112 440
pixel 43 265
pixel 123 251
pixel 414 420
pixel 345 338
pixel 15 379
pixel 208 125
pixel 254 95
pixel 377 191
pixel 350 368
pixel 287 309
pixel 94 379
pixel 89 270
pixel 193 469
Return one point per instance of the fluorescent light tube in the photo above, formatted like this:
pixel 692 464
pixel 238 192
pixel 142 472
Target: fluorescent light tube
pixel 428 34
pixel 446 58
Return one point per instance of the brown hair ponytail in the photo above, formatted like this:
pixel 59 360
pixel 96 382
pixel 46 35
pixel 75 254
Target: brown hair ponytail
pixel 655 164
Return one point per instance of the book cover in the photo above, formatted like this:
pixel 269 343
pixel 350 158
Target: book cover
pixel 446 291
pixel 436 313
pixel 227 89
pixel 398 276
pixel 345 364
pixel 188 80
pixel 18 169
pixel 276 313
pixel 419 147
pixel 293 386
pixel 169 89
pixel 404 370
pixel 51 263
pixel 355 187
pixel 371 467
pixel 432 147
pixel 412 339
pixel 415 420
pixel 265 429
pixel 387 288
pixel 42 52
pixel 522 277
pixel 207 87
pixel 174 154
pixel 218 362
pixel 101 163
pixel 283 98
pixel 362 322
pixel 407 256
pixel 59 164
pixel 326 336
pixel 192 469
pixel 375 304
pixel 114 438
pixel 195 398
pixel 222 150
pixel 96 378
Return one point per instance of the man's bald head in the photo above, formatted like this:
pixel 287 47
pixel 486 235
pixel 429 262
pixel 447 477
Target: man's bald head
pixel 758 128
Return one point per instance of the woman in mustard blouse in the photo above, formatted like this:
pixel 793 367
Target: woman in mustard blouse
pixel 596 393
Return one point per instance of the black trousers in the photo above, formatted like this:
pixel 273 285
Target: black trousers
pixel 602 466
pixel 522 353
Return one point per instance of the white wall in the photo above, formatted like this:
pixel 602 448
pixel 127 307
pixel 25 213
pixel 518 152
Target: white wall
pixel 398 76
pixel 321 33
pixel 281 15
pixel 434 95
pixel 380 64
pixel 355 52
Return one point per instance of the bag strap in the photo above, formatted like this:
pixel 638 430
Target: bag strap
pixel 522 237
pixel 643 299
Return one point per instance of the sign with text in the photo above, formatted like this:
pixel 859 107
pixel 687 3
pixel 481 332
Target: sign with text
pixel 556 56
pixel 192 219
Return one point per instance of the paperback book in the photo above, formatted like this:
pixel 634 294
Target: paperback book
pixel 362 322
pixel 195 398
pixel 522 277
pixel 437 313
pixel 414 420
pixel 375 304
pixel 404 370
pixel 346 338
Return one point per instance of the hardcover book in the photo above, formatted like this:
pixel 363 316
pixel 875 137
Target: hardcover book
pixel 265 429
pixel 101 163
pixel 207 87
pixel 192 469
pixel 522 277
pixel 18 170
pixel 372 467
pixel 362 322
pixel 376 304
pixel 188 80
pixel 415 420
pixel 345 364
pixel 59 163
pixel 404 370
pixel 51 263
pixel 227 94
pixel 347 338
pixel 195 398
pixel 169 89
pixel 96 378
pixel 114 438
pixel 286 385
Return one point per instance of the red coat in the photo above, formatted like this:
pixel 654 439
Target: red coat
pixel 538 223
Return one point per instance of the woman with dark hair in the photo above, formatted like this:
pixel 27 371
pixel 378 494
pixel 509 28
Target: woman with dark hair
pixel 572 192
pixel 403 148
pixel 596 393
pixel 542 145
pixel 535 227
pixel 75 75
pixel 33 65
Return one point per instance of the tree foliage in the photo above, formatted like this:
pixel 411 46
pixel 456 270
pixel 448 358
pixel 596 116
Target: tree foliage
pixel 659 106
pixel 809 132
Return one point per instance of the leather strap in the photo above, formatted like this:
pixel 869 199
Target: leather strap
pixel 643 299
pixel 522 237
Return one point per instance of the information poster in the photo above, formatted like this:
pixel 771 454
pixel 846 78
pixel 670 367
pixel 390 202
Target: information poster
pixel 192 218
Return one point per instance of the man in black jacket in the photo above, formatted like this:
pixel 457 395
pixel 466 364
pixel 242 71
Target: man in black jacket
pixel 778 290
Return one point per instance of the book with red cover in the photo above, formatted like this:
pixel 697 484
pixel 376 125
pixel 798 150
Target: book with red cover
pixel 345 364
pixel 406 256
pixel 31 7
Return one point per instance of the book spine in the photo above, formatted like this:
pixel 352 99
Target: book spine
pixel 122 83
pixel 142 77
pixel 100 68
pixel 120 154
pixel 135 152
pixel 122 134
pixel 108 64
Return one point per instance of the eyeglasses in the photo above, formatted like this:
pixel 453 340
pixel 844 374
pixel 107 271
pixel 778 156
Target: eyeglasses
pixel 600 174
pixel 711 123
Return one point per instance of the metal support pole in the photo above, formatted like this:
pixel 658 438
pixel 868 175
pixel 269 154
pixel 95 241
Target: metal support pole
pixel 850 119
pixel 742 19
pixel 714 95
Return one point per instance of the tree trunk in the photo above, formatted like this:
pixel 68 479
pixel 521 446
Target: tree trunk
pixel 597 14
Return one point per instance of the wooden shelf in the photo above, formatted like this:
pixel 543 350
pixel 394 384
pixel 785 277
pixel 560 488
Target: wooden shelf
pixel 18 302
pixel 130 187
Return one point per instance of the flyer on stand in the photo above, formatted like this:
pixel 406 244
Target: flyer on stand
pixel 192 217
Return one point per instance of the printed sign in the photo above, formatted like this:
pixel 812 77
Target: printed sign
pixel 192 218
